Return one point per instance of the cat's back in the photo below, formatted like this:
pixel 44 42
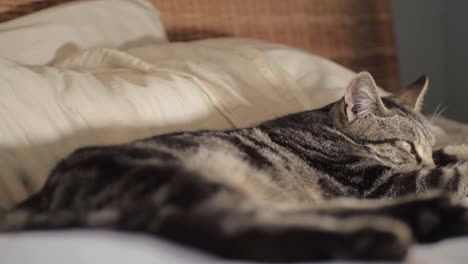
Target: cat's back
pixel 244 159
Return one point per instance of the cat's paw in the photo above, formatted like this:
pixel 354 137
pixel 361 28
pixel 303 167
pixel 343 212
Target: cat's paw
pixel 376 243
pixel 357 237
pixel 434 217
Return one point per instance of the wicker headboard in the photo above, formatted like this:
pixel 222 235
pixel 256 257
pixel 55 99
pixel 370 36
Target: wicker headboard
pixel 355 33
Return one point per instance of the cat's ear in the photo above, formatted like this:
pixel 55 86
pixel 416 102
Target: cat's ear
pixel 412 95
pixel 361 98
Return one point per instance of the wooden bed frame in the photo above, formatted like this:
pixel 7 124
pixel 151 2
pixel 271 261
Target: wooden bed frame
pixel 355 33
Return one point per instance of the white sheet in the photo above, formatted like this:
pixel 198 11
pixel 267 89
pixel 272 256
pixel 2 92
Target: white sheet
pixel 90 247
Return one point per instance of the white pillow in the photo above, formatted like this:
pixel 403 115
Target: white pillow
pixel 36 39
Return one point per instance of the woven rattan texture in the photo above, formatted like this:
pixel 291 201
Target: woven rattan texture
pixel 355 33
pixel 10 9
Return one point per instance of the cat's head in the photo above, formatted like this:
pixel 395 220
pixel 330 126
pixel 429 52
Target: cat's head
pixel 391 129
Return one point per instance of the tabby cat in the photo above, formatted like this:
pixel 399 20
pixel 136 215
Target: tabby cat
pixel 300 187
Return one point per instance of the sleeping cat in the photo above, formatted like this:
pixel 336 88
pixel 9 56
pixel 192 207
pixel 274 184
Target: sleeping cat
pixel 300 187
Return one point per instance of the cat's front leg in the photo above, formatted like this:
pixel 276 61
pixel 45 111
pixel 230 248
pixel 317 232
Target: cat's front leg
pixel 431 216
pixel 450 178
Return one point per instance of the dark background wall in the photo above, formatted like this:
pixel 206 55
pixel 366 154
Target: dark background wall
pixel 432 38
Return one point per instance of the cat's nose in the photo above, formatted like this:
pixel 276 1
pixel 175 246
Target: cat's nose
pixel 429 162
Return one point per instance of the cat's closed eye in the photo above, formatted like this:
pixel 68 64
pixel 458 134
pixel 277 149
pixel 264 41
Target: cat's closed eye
pixel 410 148
pixel 398 152
pixel 407 146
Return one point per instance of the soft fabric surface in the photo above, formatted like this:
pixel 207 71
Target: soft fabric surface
pixel 83 247
pixel 39 105
pixel 37 38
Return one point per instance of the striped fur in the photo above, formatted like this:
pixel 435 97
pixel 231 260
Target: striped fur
pixel 295 188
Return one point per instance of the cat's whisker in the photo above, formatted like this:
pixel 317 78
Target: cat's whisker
pixel 441 111
pixel 433 114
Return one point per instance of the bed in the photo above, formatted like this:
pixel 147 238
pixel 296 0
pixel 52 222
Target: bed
pixel 60 64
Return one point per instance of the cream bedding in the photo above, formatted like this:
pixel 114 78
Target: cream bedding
pixel 91 247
